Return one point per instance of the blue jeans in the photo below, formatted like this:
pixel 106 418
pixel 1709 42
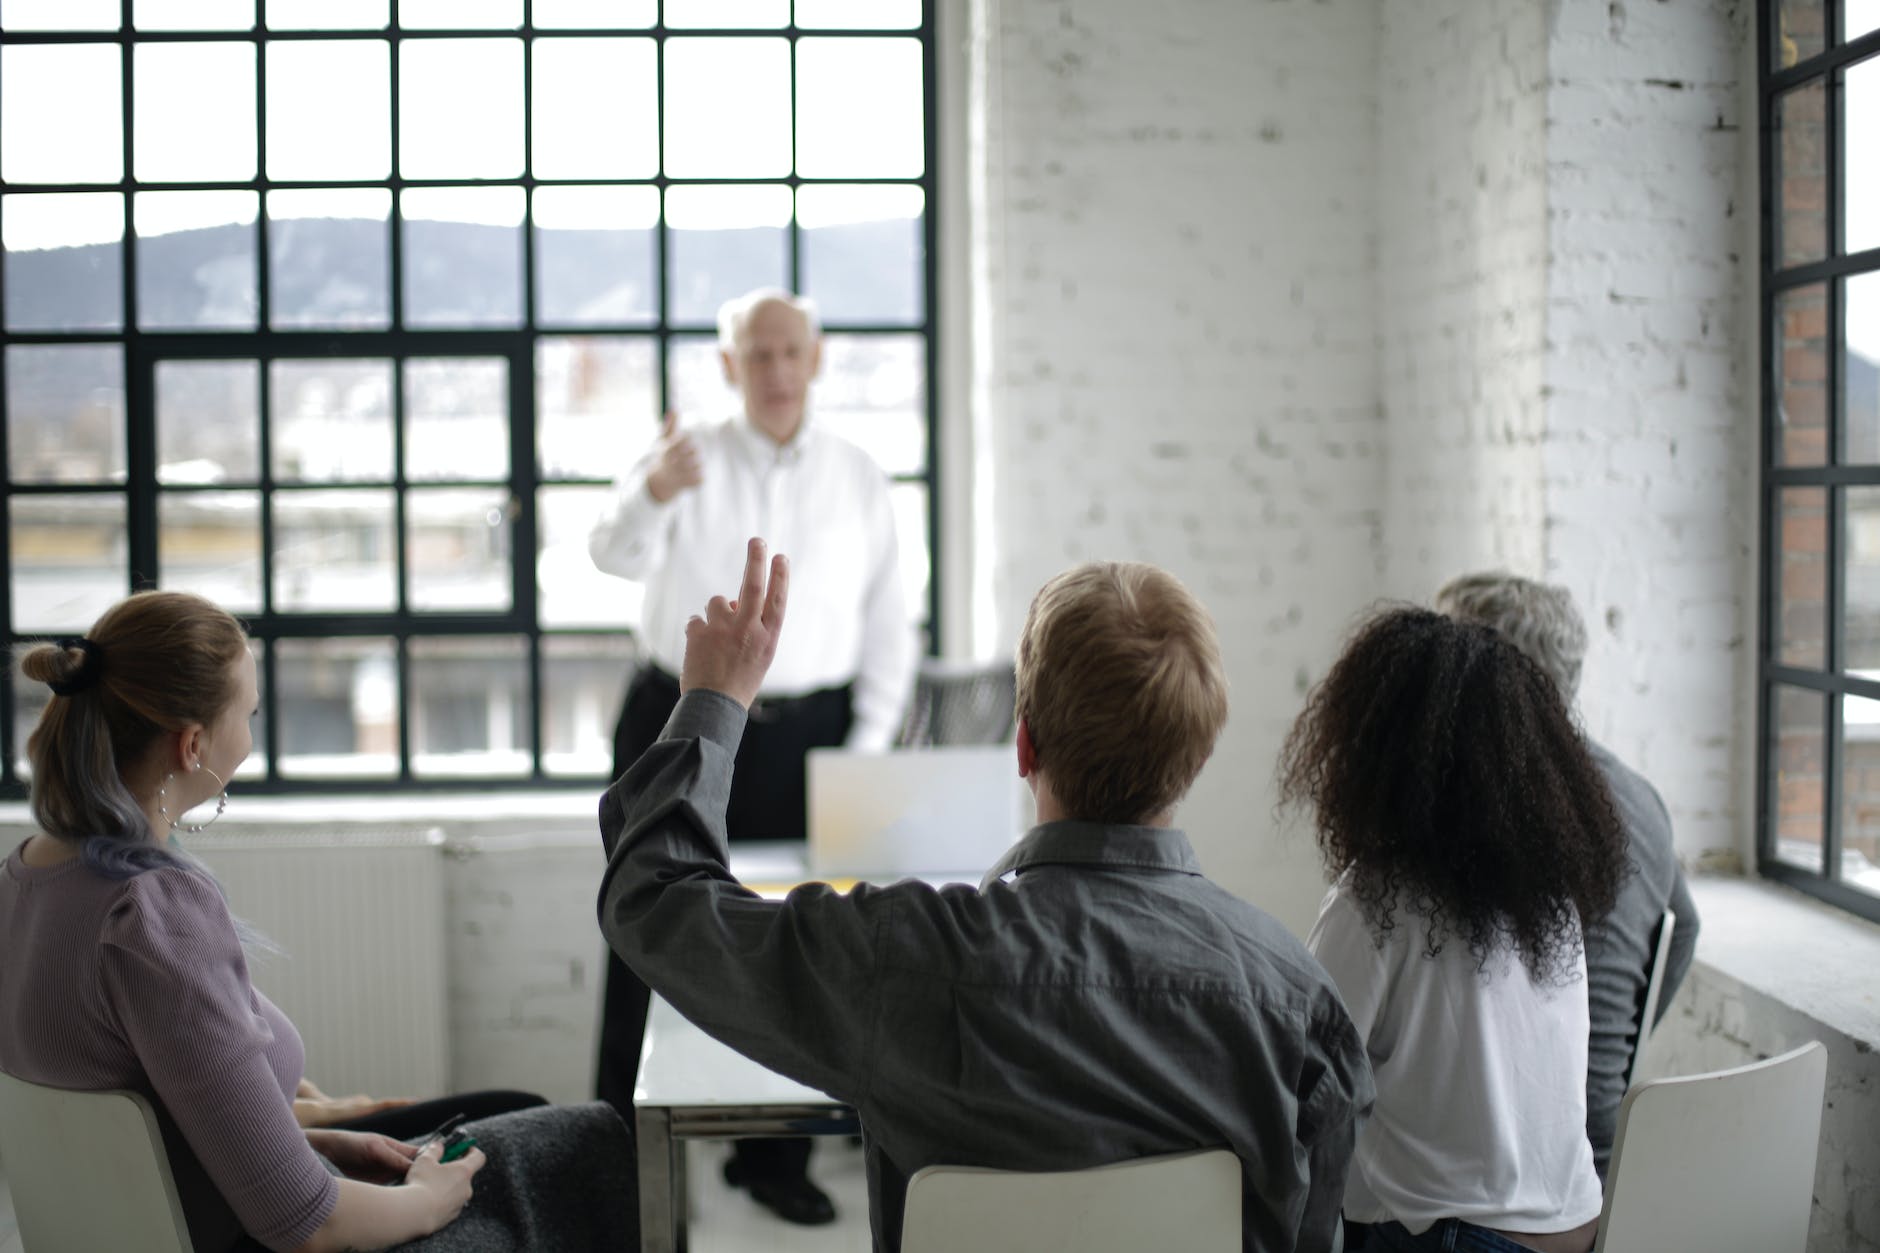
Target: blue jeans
pixel 1446 1235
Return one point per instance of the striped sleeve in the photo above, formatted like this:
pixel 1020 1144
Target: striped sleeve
pixel 176 979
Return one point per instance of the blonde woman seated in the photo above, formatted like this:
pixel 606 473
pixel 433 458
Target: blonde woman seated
pixel 124 969
pixel 1469 835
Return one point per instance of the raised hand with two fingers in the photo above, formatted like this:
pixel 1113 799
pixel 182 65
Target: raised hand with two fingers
pixel 730 648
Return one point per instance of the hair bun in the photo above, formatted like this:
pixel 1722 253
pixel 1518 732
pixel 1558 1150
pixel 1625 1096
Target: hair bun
pixel 43 663
pixel 68 667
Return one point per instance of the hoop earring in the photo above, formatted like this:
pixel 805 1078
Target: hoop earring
pixel 220 804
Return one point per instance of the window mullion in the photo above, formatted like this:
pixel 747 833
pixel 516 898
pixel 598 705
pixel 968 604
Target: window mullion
pixel 930 310
pixel 662 236
pixel 140 464
pixel 129 249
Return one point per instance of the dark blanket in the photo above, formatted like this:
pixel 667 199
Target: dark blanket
pixel 558 1177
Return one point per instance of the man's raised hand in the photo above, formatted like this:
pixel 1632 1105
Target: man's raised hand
pixel 675 463
pixel 729 649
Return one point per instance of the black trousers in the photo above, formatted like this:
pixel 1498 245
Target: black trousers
pixel 769 801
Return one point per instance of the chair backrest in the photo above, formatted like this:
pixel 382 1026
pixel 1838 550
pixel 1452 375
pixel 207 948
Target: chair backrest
pixel 1654 988
pixel 955 703
pixel 1130 1205
pixel 88 1171
pixel 1721 1162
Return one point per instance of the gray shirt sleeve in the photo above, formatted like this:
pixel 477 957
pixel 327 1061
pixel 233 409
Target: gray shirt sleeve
pixel 1330 1113
pixel 790 983
pixel 1683 943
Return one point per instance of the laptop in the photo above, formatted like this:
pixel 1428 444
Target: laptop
pixel 943 814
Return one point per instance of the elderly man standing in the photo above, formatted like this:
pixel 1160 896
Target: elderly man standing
pixel 1540 620
pixel 676 522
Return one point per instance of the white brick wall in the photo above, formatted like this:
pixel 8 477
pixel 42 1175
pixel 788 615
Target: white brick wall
pixel 1650 444
pixel 1180 359
pixel 1316 303
pixel 1564 234
pixel 1461 201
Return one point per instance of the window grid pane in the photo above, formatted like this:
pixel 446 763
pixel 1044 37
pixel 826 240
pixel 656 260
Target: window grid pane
pixel 1860 793
pixel 1800 145
pixel 1799 776
pixel 307 486
pixel 1820 813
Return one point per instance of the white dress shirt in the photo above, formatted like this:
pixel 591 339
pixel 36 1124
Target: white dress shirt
pixel 818 499
pixel 1481 1079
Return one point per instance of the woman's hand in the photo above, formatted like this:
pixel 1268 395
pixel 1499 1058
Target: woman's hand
pixel 372 1217
pixel 328 1110
pixel 314 1108
pixel 364 1155
pixel 447 1184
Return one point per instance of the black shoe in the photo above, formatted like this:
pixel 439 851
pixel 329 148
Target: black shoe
pixel 795 1200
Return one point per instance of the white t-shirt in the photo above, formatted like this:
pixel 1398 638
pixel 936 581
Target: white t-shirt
pixel 1481 1079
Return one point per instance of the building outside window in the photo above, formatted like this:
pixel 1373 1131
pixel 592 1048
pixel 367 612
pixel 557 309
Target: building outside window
pixel 1820 687
pixel 345 313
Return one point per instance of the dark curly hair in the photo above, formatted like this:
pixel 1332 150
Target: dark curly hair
pixel 1446 776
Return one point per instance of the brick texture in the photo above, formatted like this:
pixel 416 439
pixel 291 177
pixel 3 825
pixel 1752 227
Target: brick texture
pixel 1317 303
pixel 1180 343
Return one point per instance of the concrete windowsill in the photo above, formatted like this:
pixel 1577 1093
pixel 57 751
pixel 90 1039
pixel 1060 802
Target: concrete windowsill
pixel 479 819
pixel 1799 952
pixel 444 809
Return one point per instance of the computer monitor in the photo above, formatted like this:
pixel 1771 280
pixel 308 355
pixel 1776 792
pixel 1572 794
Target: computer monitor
pixel 935 813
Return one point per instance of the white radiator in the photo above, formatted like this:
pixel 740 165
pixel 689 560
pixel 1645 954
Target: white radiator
pixel 359 918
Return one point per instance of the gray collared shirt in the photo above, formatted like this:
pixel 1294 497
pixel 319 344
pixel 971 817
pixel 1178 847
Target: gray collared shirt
pixel 1620 948
pixel 1108 1002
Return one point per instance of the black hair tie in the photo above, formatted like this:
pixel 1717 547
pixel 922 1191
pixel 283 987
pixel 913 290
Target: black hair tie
pixel 88 670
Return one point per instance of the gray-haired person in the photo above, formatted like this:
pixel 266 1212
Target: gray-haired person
pixel 1540 620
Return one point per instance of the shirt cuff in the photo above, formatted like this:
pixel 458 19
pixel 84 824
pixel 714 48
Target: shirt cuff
pixel 703 714
pixel 868 738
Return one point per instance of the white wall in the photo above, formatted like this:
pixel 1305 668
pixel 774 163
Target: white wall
pixel 1178 337
pixel 1650 376
pixel 1566 204
pixel 1461 203
pixel 1318 303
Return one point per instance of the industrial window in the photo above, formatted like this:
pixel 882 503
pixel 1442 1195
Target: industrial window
pixel 345 313
pixel 1819 789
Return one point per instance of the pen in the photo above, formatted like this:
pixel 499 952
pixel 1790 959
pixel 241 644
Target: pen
pixel 444 1129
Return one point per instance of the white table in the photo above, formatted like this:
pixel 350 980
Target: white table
pixel 692 1087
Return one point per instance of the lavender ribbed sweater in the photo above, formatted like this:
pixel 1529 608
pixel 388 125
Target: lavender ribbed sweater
pixel 141 983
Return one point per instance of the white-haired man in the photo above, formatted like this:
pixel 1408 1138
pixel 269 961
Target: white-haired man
pixel 677 520
pixel 1541 621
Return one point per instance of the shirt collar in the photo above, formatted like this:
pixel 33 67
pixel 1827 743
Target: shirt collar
pixel 765 450
pixel 1072 842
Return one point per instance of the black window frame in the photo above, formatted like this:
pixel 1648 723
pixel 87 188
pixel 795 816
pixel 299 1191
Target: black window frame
pixel 143 349
pixel 1833 477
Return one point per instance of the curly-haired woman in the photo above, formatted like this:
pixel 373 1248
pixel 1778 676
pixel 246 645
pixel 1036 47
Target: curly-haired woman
pixel 1469 835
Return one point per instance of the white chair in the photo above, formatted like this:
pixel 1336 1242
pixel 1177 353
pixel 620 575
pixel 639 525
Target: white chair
pixel 1131 1206
pixel 88 1171
pixel 1654 988
pixel 1721 1162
